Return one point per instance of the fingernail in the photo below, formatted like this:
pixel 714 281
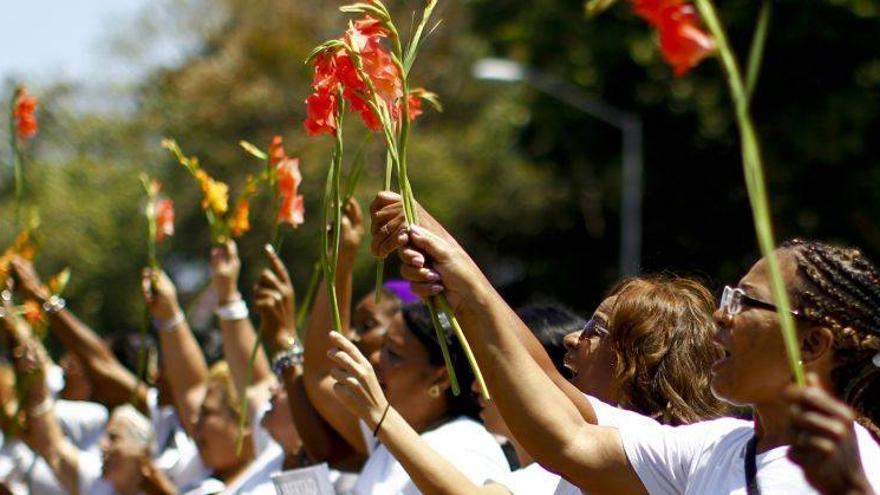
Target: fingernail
pixel 436 289
pixel 270 249
pixel 430 275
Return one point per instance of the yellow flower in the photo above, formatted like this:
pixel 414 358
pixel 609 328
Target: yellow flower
pixel 215 193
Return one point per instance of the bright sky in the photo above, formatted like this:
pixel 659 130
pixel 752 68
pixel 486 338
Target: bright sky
pixel 43 40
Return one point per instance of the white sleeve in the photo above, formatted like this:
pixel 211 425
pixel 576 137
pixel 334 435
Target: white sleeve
pixel 89 473
pixel 662 456
pixel 477 455
pixel 530 480
pixel 82 422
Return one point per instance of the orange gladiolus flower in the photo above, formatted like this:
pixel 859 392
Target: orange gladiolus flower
pixel 33 313
pixel 276 151
pixel 292 208
pixel 23 114
pixel 164 219
pixel 215 194
pixel 240 222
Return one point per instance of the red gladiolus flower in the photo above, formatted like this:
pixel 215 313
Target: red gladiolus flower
pixel 321 109
pixel 292 208
pixel 164 219
pixel 276 151
pixel 23 113
pixel 682 43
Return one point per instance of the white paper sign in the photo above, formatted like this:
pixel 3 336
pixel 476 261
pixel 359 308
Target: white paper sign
pixel 312 480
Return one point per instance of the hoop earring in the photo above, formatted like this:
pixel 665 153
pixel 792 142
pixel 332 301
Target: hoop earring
pixel 434 391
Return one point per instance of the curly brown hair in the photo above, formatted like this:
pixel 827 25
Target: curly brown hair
pixel 660 330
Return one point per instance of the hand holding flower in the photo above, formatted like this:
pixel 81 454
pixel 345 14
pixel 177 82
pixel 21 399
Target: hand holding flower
pixel 357 385
pixel 160 295
pixel 225 269
pixel 824 442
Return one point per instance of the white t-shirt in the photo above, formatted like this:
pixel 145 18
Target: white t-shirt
pixel 25 472
pixel 256 479
pixel 178 455
pixel 529 480
pixel 708 457
pixel 463 442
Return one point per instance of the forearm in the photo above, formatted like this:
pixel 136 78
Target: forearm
pixel 113 383
pixel 184 367
pixel 515 368
pixel 316 365
pixel 321 442
pixel 50 443
pixel 239 339
pixel 429 471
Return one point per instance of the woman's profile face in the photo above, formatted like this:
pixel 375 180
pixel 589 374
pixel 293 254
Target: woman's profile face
pixel 589 356
pixel 121 454
pixel 216 431
pixel 405 371
pixel 754 368
pixel 370 322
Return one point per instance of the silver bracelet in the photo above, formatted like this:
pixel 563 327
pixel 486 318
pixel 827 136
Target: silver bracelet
pixel 172 324
pixel 233 311
pixel 54 304
pixel 292 356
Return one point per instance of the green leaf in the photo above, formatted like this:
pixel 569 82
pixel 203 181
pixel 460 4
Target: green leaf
pixel 596 7
pixel 756 53
pixel 412 48
pixel 253 150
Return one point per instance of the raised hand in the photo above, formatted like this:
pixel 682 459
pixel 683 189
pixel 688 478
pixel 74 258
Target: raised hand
pixel 352 228
pixel 824 440
pixel 388 225
pixel 274 299
pixel 357 386
pixel 160 295
pixel 225 269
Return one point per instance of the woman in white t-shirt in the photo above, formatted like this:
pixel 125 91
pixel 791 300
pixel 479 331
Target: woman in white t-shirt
pixel 414 379
pixel 835 292
pixel 643 325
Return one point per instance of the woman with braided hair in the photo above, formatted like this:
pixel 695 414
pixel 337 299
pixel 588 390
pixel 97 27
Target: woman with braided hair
pixel 840 289
pixel 603 449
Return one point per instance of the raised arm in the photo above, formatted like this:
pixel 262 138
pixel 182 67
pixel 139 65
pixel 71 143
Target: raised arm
pixel 42 431
pixel 112 383
pixel 553 421
pixel 317 380
pixel 358 388
pixel 275 302
pixel 239 336
pixel 183 361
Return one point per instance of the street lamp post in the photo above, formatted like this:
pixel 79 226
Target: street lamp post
pixel 630 126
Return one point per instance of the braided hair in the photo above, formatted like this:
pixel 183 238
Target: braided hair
pixel 840 288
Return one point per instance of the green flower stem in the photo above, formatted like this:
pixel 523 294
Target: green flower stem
pixel 303 310
pixel 453 321
pixel 755 184
pixel 444 346
pixel 380 265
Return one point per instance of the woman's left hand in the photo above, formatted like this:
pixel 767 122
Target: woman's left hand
pixel 356 383
pixel 824 441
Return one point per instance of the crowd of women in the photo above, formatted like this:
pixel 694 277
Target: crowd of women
pixel 663 389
